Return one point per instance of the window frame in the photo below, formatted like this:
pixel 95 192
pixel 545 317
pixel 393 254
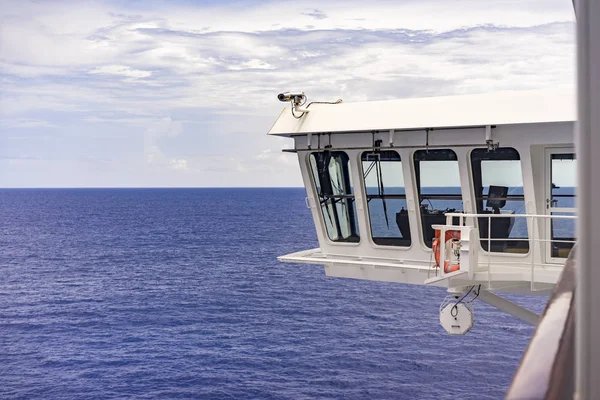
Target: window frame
pixel 476 175
pixel 554 246
pixel 354 237
pixel 433 155
pixel 383 241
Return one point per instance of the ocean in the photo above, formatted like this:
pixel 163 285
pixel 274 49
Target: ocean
pixel 177 293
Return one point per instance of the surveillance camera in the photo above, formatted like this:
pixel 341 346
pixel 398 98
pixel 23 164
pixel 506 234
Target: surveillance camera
pixel 296 97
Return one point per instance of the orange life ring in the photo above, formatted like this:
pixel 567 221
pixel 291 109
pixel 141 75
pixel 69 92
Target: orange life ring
pixel 435 246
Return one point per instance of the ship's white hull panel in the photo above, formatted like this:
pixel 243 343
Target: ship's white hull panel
pixel 507 279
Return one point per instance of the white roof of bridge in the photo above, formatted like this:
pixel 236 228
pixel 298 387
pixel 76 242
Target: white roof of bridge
pixel 501 108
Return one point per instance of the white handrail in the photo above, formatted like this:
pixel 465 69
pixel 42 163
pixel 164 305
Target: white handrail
pixel 455 214
pixel 535 238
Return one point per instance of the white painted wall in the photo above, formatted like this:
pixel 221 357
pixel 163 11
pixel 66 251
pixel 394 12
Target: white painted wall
pixel 588 150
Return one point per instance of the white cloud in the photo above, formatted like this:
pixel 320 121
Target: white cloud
pixel 21 123
pixel 252 64
pixel 188 87
pixel 121 70
pixel 180 165
pixel 157 132
pixel 264 155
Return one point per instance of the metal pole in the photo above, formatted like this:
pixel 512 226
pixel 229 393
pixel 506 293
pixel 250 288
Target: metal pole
pixel 588 198
pixel 509 307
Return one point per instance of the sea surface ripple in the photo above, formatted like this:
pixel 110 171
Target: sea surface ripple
pixel 177 293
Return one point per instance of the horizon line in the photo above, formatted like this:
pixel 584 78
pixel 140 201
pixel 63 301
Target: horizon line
pixel 152 187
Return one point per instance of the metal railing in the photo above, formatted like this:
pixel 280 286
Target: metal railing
pixel 540 243
pixel 547 369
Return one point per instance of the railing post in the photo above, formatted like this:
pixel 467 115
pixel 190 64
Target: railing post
pixel 442 245
pixel 532 252
pixel 489 255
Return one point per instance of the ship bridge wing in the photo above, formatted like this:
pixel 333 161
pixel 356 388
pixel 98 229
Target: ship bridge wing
pixel 501 108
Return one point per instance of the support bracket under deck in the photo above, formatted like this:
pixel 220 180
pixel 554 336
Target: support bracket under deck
pixel 509 307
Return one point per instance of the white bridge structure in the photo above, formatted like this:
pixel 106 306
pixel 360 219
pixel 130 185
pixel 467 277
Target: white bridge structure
pixel 472 193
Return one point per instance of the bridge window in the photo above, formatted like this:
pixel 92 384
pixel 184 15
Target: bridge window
pixel 498 186
pixel 386 199
pixel 563 170
pixel 438 185
pixel 331 174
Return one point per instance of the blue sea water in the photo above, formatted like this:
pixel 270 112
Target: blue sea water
pixel 177 293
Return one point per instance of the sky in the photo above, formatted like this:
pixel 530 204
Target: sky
pixel 182 93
